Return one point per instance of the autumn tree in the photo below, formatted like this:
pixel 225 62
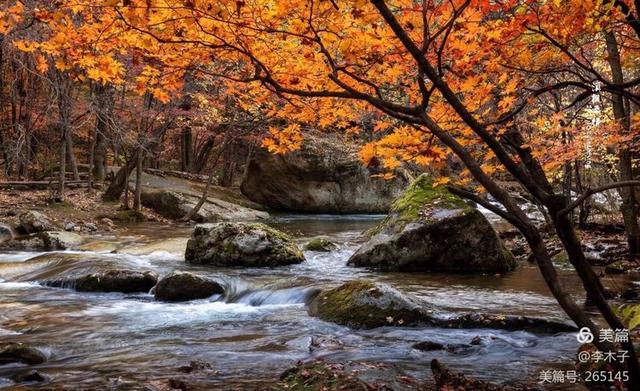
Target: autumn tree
pixel 443 74
pixel 504 87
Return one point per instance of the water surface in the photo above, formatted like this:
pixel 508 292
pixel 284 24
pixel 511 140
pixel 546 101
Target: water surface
pixel 98 341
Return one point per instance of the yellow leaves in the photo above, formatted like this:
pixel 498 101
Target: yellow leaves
pixel 367 153
pixel 511 86
pixel 488 168
pixel 105 70
pixel 507 102
pixel 62 65
pixel 26 46
pixel 282 141
pixel 11 17
pixel 382 125
pixel 42 65
pixel 160 95
pixel 470 83
pixel 391 163
pixel 441 181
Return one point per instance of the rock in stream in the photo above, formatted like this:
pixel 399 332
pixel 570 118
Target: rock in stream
pixel 185 286
pixel 241 244
pixel 363 304
pixel 430 229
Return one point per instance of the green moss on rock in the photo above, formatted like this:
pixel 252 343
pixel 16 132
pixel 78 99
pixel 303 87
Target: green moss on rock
pixel 320 244
pixel 421 193
pixel 430 229
pixel 365 304
pixel 241 244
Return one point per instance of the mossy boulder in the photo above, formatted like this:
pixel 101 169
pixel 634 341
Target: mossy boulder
pixel 365 304
pixel 430 229
pixel 320 244
pixel 20 353
pixel 241 244
pixel 620 267
pixel 185 286
pixel 117 280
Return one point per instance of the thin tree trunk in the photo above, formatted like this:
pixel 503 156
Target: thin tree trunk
pixel 629 207
pixel 120 181
pixel 72 155
pixel 92 147
pixel 63 167
pixel 116 187
pixel 104 101
pixel 186 163
pixel 585 207
pixel 210 179
pixel 138 189
pixel 127 173
pixel 62 86
pixel 193 212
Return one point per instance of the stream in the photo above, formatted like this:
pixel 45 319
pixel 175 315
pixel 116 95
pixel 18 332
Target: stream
pixel 109 340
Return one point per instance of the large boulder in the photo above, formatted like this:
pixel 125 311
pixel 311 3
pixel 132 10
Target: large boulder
pixel 43 241
pixel 20 353
pixel 241 244
pixel 33 221
pixel 430 229
pixel 174 204
pixel 365 304
pixel 324 176
pixel 117 280
pixel 185 286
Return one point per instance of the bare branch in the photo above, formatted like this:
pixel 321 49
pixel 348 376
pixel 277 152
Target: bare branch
pixel 589 192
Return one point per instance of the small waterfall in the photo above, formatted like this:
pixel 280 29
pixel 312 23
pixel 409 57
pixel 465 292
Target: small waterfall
pixel 259 297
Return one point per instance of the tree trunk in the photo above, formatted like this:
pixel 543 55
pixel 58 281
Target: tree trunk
pixel 127 174
pixel 114 191
pixel 138 189
pixel 63 166
pixel 629 207
pixel 92 148
pixel 186 163
pixel 229 166
pixel 585 207
pixel 120 182
pixel 205 193
pixel 62 85
pixel 202 155
pixel 72 155
pixel 104 102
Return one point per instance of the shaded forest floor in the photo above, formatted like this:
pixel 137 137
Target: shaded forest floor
pixel 80 207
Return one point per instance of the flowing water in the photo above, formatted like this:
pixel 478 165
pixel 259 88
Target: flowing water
pixel 261 327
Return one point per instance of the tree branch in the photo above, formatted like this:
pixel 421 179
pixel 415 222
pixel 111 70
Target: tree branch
pixel 589 192
pixel 460 192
